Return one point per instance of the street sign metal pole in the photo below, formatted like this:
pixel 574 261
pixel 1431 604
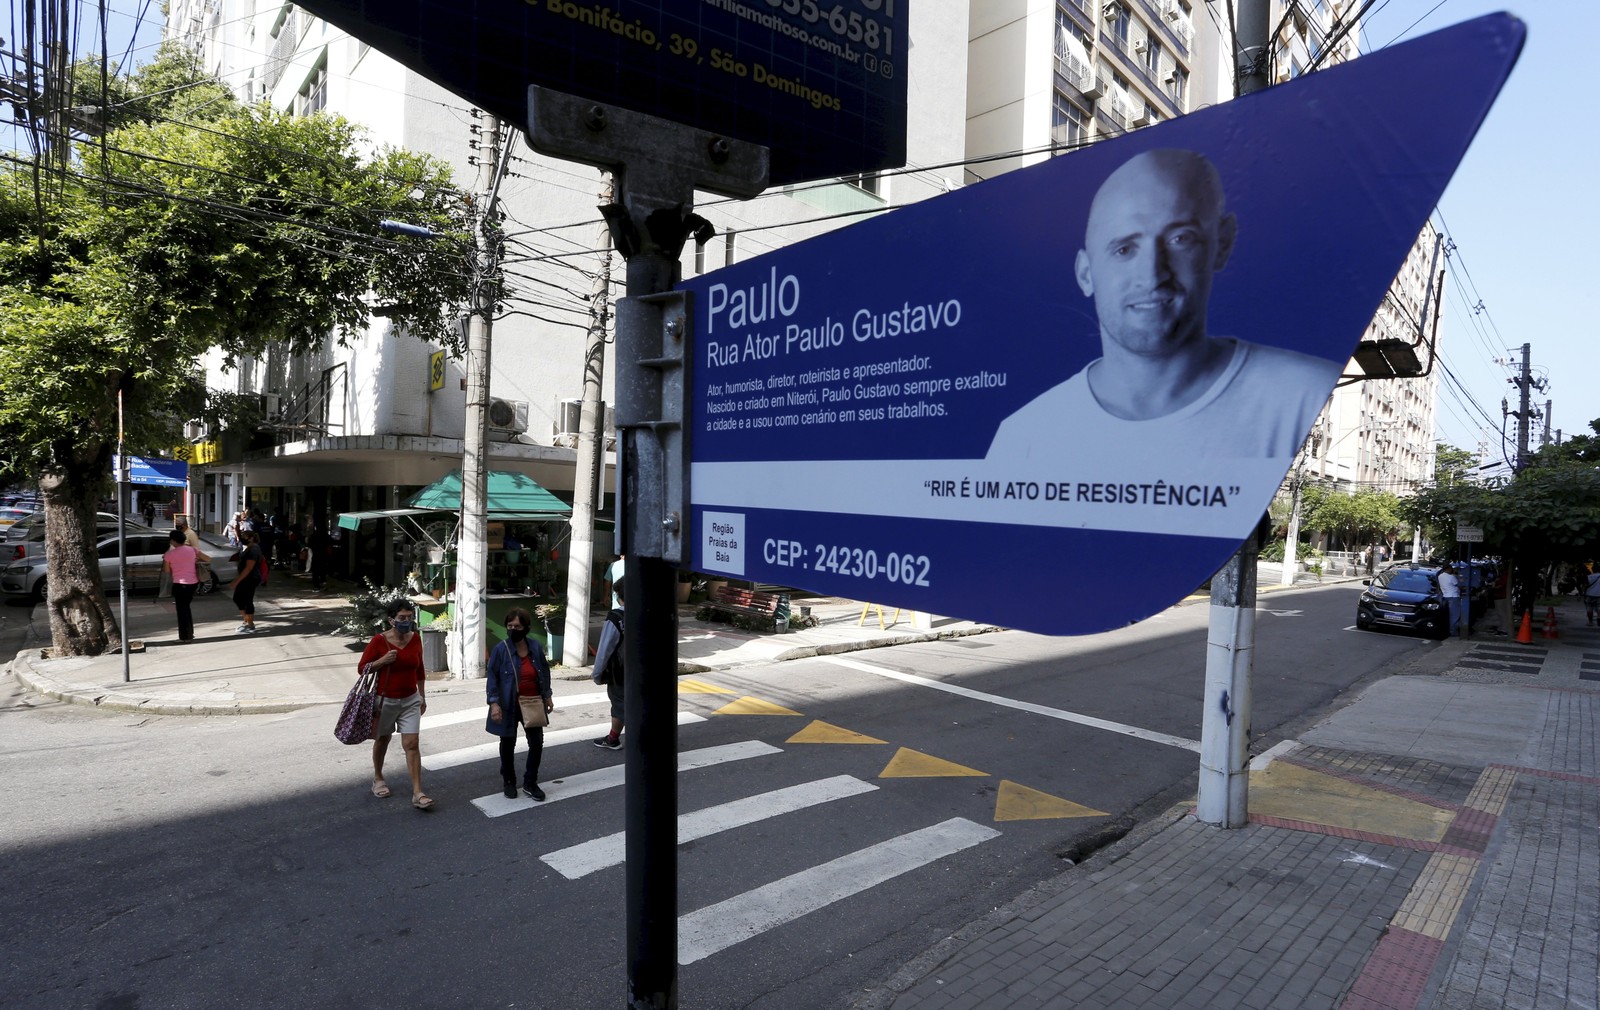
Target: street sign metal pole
pixel 659 165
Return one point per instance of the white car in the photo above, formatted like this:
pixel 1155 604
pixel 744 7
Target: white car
pixel 145 549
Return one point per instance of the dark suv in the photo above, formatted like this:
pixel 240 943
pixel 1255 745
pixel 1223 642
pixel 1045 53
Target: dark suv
pixel 1405 596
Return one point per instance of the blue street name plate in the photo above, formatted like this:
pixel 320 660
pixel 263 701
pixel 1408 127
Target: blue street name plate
pixel 821 83
pixel 1060 399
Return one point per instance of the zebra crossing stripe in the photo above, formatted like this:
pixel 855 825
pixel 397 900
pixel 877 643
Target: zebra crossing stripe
pixel 552 738
pixel 611 777
pixel 480 713
pixel 588 857
pixel 716 927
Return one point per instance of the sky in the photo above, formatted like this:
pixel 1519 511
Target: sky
pixel 1521 211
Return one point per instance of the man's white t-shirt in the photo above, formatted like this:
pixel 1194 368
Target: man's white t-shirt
pixel 1449 586
pixel 1260 407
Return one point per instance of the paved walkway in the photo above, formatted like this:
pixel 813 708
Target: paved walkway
pixel 1432 845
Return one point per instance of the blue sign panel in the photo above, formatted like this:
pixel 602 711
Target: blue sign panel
pixel 1059 400
pixel 159 472
pixel 822 84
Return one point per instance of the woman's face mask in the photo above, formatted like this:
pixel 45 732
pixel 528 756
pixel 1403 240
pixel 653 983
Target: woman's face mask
pixel 517 634
pixel 405 626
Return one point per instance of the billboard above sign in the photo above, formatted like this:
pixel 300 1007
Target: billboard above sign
pixel 822 85
pixel 1058 400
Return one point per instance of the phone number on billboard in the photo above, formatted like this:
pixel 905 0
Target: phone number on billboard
pixel 856 562
pixel 846 24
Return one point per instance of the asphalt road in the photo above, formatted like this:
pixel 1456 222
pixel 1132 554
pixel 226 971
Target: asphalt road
pixel 179 862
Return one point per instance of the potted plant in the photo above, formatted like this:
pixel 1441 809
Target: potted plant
pixel 556 612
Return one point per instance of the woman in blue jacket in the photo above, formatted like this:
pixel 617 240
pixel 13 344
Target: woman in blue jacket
pixel 519 687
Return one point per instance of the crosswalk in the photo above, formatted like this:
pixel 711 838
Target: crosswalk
pixel 769 904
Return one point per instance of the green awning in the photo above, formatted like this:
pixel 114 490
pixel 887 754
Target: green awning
pixel 511 496
pixel 353 520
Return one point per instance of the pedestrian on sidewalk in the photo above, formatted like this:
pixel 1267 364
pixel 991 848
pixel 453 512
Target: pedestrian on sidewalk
pixel 396 654
pixel 1502 598
pixel 608 663
pixel 1591 596
pixel 519 688
pixel 318 544
pixel 181 566
pixel 245 583
pixel 1450 589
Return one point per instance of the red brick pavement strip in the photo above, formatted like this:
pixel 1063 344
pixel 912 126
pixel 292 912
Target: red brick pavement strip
pixel 1397 973
pixel 1544 773
pixel 1417 844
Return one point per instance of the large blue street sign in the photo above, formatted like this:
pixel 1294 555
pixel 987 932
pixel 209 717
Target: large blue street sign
pixel 821 83
pixel 1059 400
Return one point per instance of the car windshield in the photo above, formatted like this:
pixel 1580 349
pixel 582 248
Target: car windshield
pixel 1408 580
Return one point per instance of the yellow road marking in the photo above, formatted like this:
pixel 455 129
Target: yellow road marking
pixel 913 764
pixel 701 687
pixel 753 706
pixel 825 732
pixel 1290 791
pixel 1020 803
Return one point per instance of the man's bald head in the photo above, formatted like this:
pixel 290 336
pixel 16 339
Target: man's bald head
pixel 1157 230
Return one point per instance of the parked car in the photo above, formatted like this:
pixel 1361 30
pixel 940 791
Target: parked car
pixel 145 549
pixel 9 516
pixel 30 541
pixel 1407 596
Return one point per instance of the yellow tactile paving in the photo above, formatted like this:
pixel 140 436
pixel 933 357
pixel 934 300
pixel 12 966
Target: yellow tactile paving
pixel 689 686
pixel 1492 789
pixel 827 732
pixel 1290 791
pixel 1435 899
pixel 753 706
pixel 913 764
pixel 1017 802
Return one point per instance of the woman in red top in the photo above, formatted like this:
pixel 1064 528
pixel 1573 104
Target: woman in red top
pixel 402 694
pixel 519 686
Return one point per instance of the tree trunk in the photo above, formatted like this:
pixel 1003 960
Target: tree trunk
pixel 81 620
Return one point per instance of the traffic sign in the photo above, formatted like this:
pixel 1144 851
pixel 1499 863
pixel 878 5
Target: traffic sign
pixel 1059 399
pixel 821 83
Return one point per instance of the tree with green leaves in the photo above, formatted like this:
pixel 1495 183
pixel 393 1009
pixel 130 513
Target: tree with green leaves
pixel 1362 517
pixel 191 224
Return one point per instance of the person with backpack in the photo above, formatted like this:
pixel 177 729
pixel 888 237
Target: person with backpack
pixel 608 669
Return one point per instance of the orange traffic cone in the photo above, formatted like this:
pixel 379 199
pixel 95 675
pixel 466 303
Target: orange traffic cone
pixel 1525 633
pixel 1550 629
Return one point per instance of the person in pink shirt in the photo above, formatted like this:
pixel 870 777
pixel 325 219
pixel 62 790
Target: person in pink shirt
pixel 181 564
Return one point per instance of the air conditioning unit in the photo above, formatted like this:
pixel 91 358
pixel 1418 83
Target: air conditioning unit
pixel 194 431
pixel 508 417
pixel 271 405
pixel 1173 11
pixel 1141 115
pixel 1142 46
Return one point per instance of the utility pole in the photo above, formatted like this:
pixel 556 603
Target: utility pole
pixel 1544 438
pixel 1524 382
pixel 587 487
pixel 1223 797
pixel 472 549
pixel 659 165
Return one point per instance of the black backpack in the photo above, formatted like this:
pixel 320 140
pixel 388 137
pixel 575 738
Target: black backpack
pixel 614 666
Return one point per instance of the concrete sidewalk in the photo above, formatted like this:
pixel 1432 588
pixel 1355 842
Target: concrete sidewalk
pixel 1432 845
pixel 293 661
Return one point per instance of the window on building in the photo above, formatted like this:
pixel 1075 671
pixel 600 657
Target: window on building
pixel 1152 56
pixel 1067 123
pixel 1121 21
pixel 871 183
pixel 1178 85
pixel 313 94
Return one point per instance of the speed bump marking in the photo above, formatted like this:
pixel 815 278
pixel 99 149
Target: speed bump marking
pixel 913 764
pixel 1020 803
pixel 827 732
